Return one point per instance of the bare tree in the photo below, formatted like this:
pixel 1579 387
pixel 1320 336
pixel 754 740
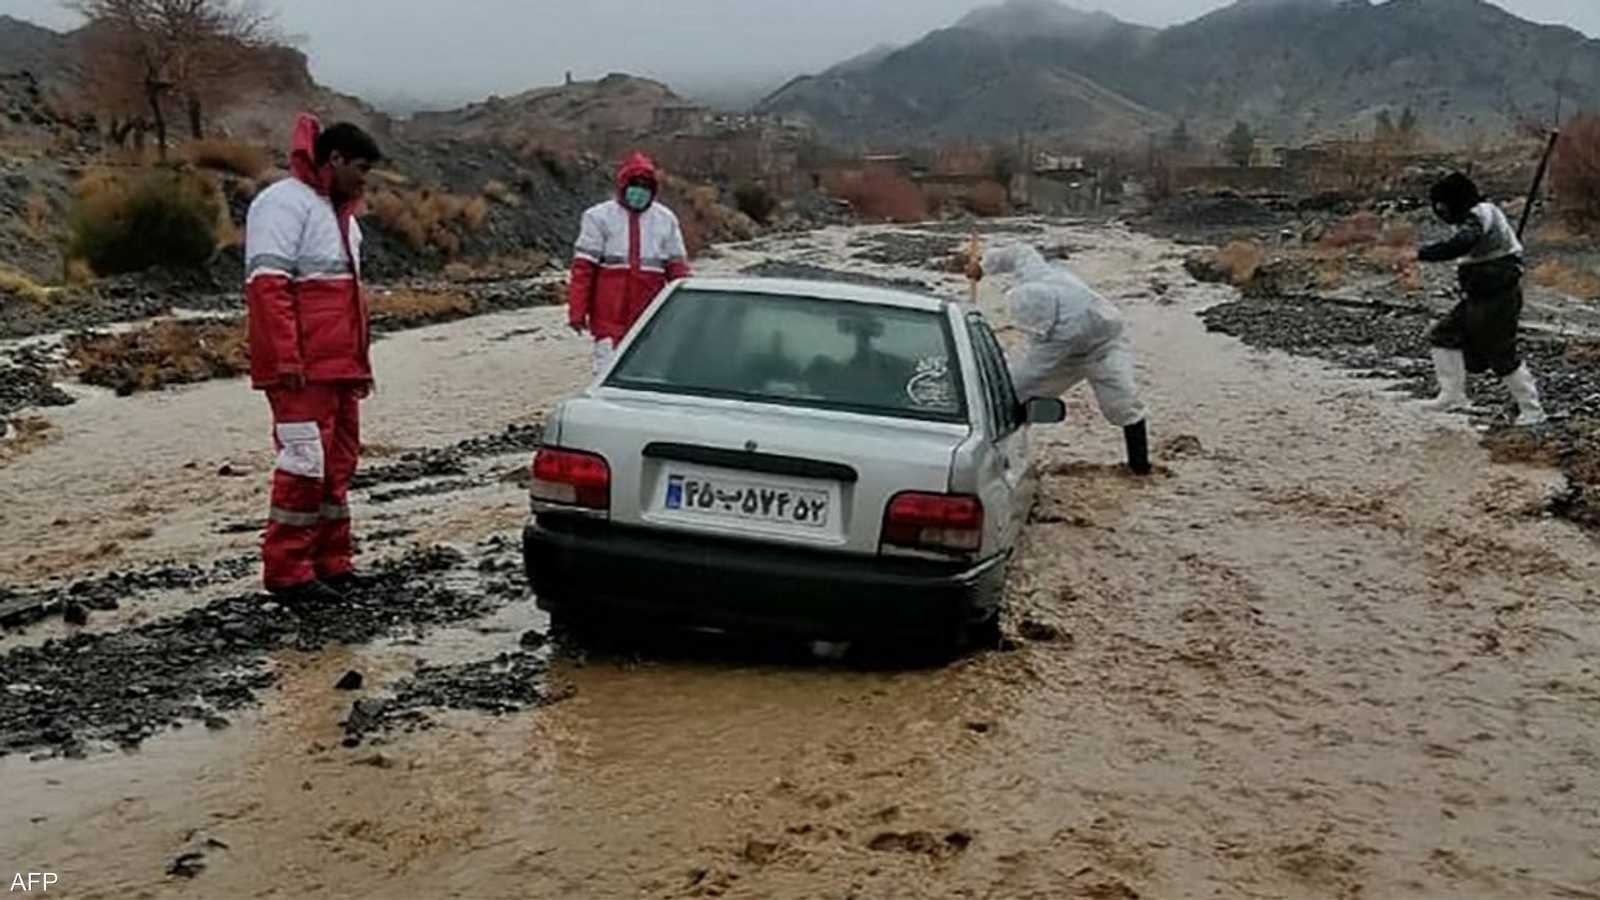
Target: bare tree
pixel 192 50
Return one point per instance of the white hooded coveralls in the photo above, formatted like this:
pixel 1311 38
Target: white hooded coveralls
pixel 1074 334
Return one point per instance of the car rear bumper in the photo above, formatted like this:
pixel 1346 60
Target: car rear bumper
pixel 593 568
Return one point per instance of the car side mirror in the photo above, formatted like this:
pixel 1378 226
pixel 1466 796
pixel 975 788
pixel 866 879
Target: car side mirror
pixel 1044 411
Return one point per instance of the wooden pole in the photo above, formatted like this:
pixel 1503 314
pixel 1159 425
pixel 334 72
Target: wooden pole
pixel 1538 182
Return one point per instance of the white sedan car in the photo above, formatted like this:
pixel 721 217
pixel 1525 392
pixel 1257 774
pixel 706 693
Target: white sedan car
pixel 827 460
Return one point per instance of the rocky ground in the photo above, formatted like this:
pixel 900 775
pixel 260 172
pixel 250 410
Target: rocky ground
pixel 1332 650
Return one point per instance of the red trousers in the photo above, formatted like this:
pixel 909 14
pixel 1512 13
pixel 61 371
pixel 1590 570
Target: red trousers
pixel 316 432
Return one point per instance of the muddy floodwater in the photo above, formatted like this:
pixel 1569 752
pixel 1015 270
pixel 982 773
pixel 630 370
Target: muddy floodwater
pixel 1329 651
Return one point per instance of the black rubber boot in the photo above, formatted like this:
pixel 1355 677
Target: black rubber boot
pixel 309 596
pixel 1138 448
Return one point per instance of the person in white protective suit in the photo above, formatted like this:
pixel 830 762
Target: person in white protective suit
pixel 1074 335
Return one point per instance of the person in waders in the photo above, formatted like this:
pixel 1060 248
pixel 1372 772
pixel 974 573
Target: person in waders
pixel 1480 333
pixel 1074 335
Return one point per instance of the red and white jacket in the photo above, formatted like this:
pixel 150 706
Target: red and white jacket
pixel 307 312
pixel 623 258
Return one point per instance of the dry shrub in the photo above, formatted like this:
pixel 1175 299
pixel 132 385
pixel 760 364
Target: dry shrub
pixel 1567 279
pixel 1575 171
pixel 705 221
pixel 881 196
pixel 234 157
pixel 1399 234
pixel 1559 234
pixel 497 268
pixel 501 193
pixel 14 282
pixel 78 272
pixel 1361 229
pixel 28 433
pixel 426 218
pixel 1583 353
pixel 407 308
pixel 474 213
pixel 755 201
pixel 989 200
pixel 150 219
pixel 37 216
pixel 1390 258
pixel 1330 273
pixel 167 352
pixel 1241 260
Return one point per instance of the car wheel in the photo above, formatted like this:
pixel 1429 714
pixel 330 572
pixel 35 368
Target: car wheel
pixel 985 635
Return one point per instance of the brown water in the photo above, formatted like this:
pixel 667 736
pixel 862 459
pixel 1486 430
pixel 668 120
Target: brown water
pixel 1326 654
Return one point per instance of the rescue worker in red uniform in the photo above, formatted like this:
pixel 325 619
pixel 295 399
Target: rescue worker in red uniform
pixel 309 352
pixel 628 249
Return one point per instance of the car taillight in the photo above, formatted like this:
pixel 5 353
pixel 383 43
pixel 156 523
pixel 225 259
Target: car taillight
pixel 571 478
pixel 934 522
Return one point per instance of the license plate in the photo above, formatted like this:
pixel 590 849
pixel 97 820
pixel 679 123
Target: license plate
pixel 726 498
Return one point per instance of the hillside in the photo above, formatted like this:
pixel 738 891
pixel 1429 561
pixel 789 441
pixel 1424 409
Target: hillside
pixel 1291 68
pixel 970 81
pixel 613 103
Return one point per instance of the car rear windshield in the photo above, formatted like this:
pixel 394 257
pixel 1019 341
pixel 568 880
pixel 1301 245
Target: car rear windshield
pixel 798 351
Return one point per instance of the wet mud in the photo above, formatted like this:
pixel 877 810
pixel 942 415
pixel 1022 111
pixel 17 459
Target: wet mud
pixel 87 691
pixel 21 608
pixel 1390 342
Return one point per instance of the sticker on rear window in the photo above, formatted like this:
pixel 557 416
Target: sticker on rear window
pixel 930 387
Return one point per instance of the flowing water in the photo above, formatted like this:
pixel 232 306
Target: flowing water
pixel 1326 652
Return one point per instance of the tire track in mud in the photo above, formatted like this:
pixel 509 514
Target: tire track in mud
pixel 123 687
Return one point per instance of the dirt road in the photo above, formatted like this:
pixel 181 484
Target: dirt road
pixel 1329 652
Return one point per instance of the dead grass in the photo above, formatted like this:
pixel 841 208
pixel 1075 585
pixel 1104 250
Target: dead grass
pixel 20 284
pixel 234 157
pixel 1567 279
pixel 429 219
pixel 1361 229
pixel 497 268
pixel 1583 353
pixel 38 215
pixel 407 308
pixel 391 178
pixel 1241 260
pixel 705 220
pixel 79 273
pixel 29 434
pixel 1559 234
pixel 501 193
pixel 164 353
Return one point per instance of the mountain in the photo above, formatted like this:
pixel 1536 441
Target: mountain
pixel 1293 69
pixel 613 103
pixel 42 53
pixel 996 73
pixel 1022 20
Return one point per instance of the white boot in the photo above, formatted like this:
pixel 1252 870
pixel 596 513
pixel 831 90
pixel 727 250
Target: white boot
pixel 1450 366
pixel 1526 391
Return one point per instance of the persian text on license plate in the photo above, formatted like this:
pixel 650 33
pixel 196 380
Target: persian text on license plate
pixel 756 502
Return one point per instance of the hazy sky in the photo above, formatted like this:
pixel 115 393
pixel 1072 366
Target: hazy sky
pixel 467 49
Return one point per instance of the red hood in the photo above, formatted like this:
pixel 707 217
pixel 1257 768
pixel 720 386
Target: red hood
pixel 303 153
pixel 637 165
